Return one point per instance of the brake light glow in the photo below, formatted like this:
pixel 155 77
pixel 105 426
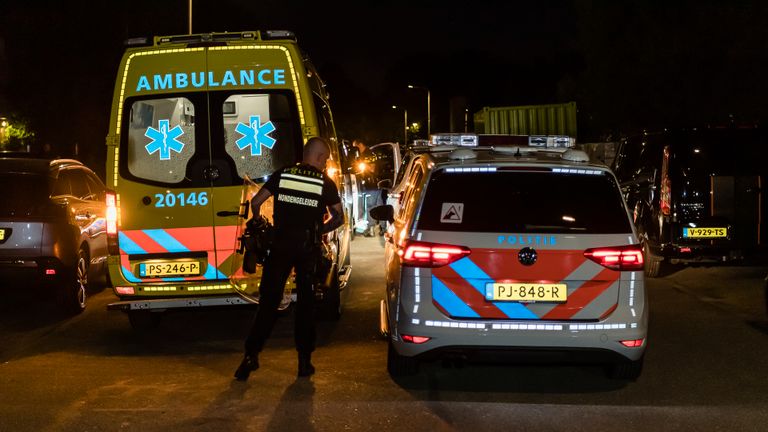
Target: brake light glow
pixel 125 290
pixel 423 254
pixel 620 258
pixel 50 272
pixel 112 243
pixel 414 339
pixel 634 343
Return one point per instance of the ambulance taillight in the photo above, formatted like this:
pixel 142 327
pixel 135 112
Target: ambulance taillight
pixel 112 244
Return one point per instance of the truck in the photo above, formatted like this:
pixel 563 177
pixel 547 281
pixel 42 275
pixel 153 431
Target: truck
pixel 551 119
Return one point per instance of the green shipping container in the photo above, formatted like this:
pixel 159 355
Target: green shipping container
pixel 554 119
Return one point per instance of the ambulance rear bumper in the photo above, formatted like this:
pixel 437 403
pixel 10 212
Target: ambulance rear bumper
pixel 181 303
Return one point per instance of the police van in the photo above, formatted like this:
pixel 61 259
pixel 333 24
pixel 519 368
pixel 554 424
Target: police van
pixel 194 118
pixel 512 248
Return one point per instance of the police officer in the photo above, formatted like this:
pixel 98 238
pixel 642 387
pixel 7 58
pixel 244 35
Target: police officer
pixel 302 194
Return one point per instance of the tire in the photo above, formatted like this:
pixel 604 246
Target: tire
pixel 144 320
pixel 331 308
pixel 626 370
pixel 398 365
pixel 653 263
pixel 652 267
pixel 74 297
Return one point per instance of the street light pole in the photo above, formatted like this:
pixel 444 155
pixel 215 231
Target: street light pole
pixel 190 16
pixel 429 114
pixel 405 125
pixel 405 131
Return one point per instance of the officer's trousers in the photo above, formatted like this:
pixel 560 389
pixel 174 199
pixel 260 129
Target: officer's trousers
pixel 277 267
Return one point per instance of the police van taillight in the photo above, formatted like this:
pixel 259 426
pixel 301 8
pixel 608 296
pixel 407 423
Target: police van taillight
pixel 112 243
pixel 423 254
pixel 620 258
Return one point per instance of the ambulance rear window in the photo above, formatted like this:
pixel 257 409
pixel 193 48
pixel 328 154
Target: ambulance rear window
pixel 260 133
pixel 523 202
pixel 209 138
pixel 161 138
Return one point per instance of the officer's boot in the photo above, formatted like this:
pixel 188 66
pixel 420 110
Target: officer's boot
pixel 305 364
pixel 249 364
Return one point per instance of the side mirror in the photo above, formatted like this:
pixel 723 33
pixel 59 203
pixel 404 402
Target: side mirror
pixel 385 184
pixel 383 213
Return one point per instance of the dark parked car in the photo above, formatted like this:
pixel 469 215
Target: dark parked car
pixel 52 227
pixel 695 194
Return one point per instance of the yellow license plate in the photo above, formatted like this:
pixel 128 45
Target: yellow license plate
pixel 527 292
pixel 169 268
pixel 707 232
pixel 2 234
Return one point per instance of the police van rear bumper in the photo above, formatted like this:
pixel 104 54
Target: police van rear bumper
pixel 181 303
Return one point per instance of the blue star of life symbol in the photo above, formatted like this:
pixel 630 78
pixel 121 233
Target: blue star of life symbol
pixel 164 140
pixel 255 135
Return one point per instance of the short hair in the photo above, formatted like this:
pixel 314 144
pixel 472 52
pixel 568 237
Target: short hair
pixel 314 145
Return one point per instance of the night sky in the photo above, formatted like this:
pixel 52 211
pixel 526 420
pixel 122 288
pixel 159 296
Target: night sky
pixel 629 65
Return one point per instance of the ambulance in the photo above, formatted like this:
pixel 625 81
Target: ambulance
pixel 198 123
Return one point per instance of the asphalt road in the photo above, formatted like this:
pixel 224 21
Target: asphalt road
pixel 706 369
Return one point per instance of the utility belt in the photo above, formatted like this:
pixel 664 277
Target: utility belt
pixel 306 239
pixel 260 238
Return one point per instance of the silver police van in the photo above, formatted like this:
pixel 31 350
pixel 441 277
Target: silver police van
pixel 511 248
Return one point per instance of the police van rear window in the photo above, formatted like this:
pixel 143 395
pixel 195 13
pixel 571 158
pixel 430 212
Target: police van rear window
pixel 515 201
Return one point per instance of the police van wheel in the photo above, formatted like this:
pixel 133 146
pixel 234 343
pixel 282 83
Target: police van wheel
pixel 398 365
pixel 330 310
pixel 626 370
pixel 143 320
pixel 74 296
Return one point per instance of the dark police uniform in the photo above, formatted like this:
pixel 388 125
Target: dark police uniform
pixel 301 194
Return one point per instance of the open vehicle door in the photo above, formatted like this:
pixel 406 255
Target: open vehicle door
pixel 246 279
pixel 388 160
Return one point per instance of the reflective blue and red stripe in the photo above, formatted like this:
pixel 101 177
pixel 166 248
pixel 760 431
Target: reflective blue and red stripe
pixel 217 242
pixel 459 289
